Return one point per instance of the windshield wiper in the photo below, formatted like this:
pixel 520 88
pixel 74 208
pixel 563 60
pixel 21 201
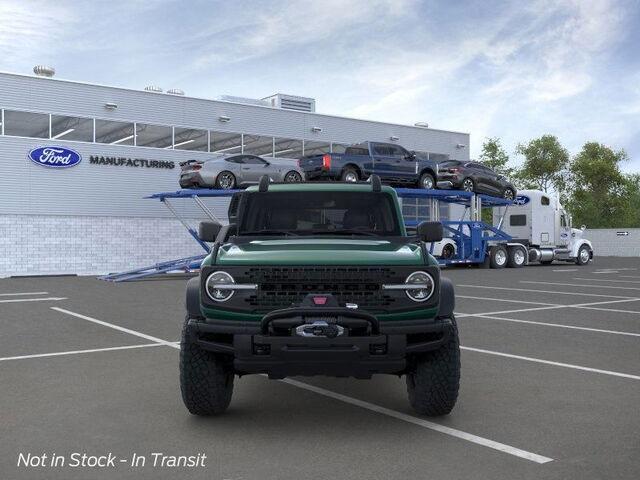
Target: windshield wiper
pixel 340 232
pixel 269 232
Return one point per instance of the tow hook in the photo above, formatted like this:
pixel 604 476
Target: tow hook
pixel 320 328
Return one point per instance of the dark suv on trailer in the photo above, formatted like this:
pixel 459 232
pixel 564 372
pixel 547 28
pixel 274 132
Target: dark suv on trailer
pixel 474 177
pixel 319 279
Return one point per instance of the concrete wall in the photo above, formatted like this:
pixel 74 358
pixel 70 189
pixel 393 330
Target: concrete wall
pixel 614 242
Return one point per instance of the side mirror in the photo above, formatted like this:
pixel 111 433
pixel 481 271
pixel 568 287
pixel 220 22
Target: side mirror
pixel 410 156
pixel 208 231
pixel 583 227
pixel 430 231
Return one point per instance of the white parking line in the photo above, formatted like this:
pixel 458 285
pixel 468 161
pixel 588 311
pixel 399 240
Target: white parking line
pixel 23 293
pixel 529 290
pixel 47 299
pixel 558 325
pixel 505 300
pixel 615 287
pixel 353 401
pixel 115 327
pixel 607 280
pixel 485 442
pixel 566 270
pixel 76 352
pixel 555 364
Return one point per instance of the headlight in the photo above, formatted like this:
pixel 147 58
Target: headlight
pixel 216 283
pixel 424 286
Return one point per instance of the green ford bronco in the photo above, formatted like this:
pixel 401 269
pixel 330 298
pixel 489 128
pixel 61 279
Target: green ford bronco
pixel 319 279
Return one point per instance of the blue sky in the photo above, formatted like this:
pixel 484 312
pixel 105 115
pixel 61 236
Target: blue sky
pixel 515 70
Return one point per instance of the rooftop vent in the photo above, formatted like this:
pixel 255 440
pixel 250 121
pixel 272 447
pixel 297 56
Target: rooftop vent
pixel 175 91
pixel 292 102
pixel 244 100
pixel 44 71
pixel 153 88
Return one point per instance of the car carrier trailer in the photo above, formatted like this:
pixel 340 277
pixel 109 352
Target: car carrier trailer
pixel 473 241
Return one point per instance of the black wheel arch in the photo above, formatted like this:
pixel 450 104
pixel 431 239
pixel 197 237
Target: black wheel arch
pixel 447 298
pixel 355 167
pixel 192 299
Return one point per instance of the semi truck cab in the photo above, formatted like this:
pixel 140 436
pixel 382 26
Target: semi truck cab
pixel 539 221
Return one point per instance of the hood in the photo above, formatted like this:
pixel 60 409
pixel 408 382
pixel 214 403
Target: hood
pixel 320 251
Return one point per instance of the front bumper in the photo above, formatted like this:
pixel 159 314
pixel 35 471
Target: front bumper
pixel 366 346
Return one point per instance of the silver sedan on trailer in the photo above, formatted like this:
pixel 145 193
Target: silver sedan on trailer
pixel 238 170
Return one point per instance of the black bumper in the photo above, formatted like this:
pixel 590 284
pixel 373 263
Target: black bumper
pixel 366 347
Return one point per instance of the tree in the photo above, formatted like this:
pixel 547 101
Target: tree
pixel 545 164
pixel 495 157
pixel 601 195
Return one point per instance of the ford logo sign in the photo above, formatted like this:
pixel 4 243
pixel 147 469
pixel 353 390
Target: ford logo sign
pixel 521 200
pixel 55 157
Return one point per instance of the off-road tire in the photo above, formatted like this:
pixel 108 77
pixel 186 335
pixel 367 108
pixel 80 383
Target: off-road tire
pixel 206 381
pixel 349 171
pixel 434 378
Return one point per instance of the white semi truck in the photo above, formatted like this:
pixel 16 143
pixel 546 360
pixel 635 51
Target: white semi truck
pixel 539 223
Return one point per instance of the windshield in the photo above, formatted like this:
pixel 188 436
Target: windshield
pixel 319 213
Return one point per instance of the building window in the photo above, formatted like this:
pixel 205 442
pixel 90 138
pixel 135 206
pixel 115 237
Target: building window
pixel 190 139
pixel 157 136
pixel 257 145
pixel 71 128
pixel 339 147
pixel 226 142
pixel 544 200
pixel 316 148
pixel 287 148
pixel 114 133
pixel 26 124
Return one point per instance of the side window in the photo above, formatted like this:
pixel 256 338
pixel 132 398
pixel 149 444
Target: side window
pixel 544 200
pixel 518 220
pixel 397 151
pixel 382 150
pixel 252 160
pixel 563 221
pixel 238 159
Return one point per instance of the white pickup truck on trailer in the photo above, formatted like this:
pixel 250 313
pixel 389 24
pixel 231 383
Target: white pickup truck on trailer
pixel 538 221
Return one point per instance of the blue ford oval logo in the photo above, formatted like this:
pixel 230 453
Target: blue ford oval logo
pixel 55 157
pixel 521 200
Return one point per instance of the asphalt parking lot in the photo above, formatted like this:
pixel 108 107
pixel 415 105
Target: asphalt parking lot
pixel 550 387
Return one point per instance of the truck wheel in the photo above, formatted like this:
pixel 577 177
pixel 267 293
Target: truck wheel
pixel 427 182
pixel 205 381
pixel 498 256
pixel 517 257
pixel 434 379
pixel 350 175
pixel 584 255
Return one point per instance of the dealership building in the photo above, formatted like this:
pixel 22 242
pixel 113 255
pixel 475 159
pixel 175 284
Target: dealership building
pixel 92 217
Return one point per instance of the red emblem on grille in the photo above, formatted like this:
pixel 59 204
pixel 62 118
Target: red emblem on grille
pixel 319 300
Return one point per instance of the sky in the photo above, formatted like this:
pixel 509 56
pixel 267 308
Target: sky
pixel 514 70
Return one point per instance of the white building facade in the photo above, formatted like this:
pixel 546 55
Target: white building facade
pixel 93 217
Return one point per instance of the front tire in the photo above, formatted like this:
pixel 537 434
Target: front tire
pixel 584 255
pixel 427 182
pixel 225 180
pixel 206 381
pixel 434 379
pixel 448 251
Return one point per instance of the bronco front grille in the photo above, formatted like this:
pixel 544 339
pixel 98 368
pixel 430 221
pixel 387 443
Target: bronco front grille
pixel 281 287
